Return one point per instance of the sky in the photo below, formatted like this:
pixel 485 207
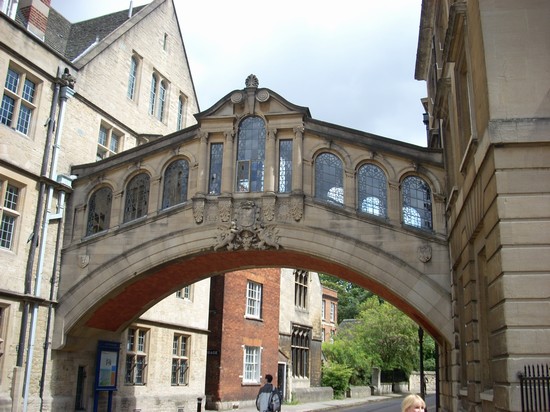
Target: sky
pixel 351 62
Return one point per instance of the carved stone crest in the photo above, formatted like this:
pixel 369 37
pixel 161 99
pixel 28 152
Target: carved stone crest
pixel 246 231
pixel 83 261
pixel 424 253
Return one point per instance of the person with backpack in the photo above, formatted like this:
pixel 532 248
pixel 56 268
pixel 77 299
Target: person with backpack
pixel 268 399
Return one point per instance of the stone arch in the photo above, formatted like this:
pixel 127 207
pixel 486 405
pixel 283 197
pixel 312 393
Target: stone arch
pixel 331 147
pixel 119 289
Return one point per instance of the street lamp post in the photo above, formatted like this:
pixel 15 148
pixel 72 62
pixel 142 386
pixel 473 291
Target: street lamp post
pixel 422 382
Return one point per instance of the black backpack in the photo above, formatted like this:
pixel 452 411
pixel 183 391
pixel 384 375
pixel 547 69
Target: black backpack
pixel 274 404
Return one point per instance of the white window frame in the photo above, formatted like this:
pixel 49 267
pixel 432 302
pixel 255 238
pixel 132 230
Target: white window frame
pixel 332 311
pixel 252 364
pixel 254 292
pixel 184 293
pixel 9 215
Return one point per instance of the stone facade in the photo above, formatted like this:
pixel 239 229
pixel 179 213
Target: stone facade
pixel 300 315
pixel 489 110
pixel 63 129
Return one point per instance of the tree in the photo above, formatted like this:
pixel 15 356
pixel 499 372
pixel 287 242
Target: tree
pixel 388 335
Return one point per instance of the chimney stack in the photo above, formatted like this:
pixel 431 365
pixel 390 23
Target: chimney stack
pixel 36 14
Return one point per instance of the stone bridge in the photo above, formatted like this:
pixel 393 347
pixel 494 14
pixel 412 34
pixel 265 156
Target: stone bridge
pixel 256 183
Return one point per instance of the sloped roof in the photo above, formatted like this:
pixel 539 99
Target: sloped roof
pixel 72 39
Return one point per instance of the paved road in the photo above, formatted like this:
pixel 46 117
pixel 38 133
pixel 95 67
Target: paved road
pixel 388 405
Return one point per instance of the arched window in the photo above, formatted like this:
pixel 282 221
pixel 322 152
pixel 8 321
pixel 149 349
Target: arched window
pixel 181 106
pixel 372 190
pixel 175 183
pixel 417 203
pixel 99 211
pixel 137 197
pixel 329 178
pixel 162 101
pixel 153 94
pixel 251 155
pixel 132 79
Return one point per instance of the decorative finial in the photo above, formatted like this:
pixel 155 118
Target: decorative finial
pixel 251 81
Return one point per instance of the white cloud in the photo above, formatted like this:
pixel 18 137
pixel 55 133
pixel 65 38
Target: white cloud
pixel 351 62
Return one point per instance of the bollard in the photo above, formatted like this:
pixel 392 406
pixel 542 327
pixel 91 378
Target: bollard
pixel 199 404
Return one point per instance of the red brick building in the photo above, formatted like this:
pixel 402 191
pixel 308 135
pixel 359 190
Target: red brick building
pixel 244 339
pixel 329 313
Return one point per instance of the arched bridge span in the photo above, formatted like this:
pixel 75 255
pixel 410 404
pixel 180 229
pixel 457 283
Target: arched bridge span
pixel 257 183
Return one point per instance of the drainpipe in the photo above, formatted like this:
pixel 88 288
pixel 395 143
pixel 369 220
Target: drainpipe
pixel 36 228
pixel 65 93
pixel 65 180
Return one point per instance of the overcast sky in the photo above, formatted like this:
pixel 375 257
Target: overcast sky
pixel 351 62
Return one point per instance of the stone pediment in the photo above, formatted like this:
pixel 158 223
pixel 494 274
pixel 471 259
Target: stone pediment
pixel 252 100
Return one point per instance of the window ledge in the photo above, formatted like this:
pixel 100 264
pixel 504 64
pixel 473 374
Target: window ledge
pixel 487 395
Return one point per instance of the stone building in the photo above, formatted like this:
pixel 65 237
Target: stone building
pixel 299 331
pixel 73 94
pixel 485 64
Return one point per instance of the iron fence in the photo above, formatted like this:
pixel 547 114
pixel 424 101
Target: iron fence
pixel 535 388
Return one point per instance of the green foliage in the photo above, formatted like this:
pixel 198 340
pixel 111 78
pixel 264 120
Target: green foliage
pixel 388 335
pixel 348 353
pixel 375 333
pixel 430 352
pixel 336 376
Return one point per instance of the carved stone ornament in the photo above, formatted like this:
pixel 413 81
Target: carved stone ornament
pixel 268 206
pixel 224 209
pixel 246 231
pixel 297 207
pixel 83 261
pixel 198 210
pixel 252 81
pixel 262 95
pixel 424 253
pixel 237 97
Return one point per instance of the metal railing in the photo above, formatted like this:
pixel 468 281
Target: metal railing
pixel 534 382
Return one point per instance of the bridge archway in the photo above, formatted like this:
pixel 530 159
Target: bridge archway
pixel 146 249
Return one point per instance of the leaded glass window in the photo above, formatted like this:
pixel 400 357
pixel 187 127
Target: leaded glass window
pixel 18 101
pixel 329 178
pixel 251 155
pixel 300 345
pixel 372 190
pixel 9 199
pixel 99 211
pixel 180 360
pixel 417 203
pixel 285 166
pixel 137 197
pixel 216 161
pixel 176 177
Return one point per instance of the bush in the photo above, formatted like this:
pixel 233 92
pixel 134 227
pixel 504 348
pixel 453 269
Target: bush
pixel 337 377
